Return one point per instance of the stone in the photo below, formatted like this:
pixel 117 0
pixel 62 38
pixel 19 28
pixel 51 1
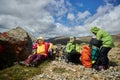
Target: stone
pixel 17 45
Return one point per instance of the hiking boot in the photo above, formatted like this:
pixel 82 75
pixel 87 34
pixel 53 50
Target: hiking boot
pixel 23 63
pixel 71 63
pixel 66 60
pixel 107 67
pixel 33 64
pixel 96 67
pixel 101 67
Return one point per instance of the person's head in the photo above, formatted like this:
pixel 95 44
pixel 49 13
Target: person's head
pixel 72 39
pixel 40 40
pixel 94 30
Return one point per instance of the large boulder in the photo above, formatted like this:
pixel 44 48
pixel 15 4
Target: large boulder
pixel 16 45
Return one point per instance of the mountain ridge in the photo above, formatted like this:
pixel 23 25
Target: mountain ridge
pixel 64 39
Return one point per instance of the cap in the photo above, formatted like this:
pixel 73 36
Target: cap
pixel 41 38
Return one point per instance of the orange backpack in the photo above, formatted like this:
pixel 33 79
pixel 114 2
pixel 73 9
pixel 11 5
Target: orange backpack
pixel 86 57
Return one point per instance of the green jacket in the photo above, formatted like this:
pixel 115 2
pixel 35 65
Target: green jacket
pixel 104 36
pixel 72 46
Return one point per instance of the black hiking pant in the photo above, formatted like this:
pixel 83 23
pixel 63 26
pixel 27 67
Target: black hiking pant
pixel 103 57
pixel 73 57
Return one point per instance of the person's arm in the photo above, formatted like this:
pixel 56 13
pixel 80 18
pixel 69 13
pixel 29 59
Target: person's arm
pixel 34 51
pixel 34 47
pixel 50 46
pixel 68 49
pixel 77 48
pixel 99 35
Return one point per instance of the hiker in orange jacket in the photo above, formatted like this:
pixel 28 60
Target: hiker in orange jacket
pixel 42 50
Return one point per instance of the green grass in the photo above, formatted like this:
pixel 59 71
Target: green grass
pixel 59 70
pixel 18 72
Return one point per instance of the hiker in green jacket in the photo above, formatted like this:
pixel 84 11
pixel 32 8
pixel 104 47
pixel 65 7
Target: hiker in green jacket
pixel 72 51
pixel 107 45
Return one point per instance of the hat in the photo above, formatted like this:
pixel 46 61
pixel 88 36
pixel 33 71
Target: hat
pixel 41 38
pixel 71 37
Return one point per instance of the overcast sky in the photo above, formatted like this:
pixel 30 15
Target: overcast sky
pixel 51 18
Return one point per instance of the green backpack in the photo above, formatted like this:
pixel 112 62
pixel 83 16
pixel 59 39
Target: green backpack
pixel 94 54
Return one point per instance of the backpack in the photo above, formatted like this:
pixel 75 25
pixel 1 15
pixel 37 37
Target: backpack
pixel 86 57
pixel 95 42
pixel 94 54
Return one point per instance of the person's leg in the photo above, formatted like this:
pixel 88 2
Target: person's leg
pixel 50 54
pixel 73 56
pixel 78 57
pixel 103 56
pixel 30 58
pixel 66 57
pixel 36 60
pixel 28 61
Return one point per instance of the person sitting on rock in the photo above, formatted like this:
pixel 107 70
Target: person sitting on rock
pixel 41 52
pixel 72 51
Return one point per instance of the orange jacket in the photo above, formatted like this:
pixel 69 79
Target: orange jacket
pixel 86 57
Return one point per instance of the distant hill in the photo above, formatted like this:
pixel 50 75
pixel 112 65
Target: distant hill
pixel 59 40
pixel 116 37
pixel 64 39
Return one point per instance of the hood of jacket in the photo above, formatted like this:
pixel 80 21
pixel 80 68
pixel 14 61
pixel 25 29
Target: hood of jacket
pixel 94 29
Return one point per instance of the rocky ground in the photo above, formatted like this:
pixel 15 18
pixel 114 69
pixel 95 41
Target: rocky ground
pixel 59 70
